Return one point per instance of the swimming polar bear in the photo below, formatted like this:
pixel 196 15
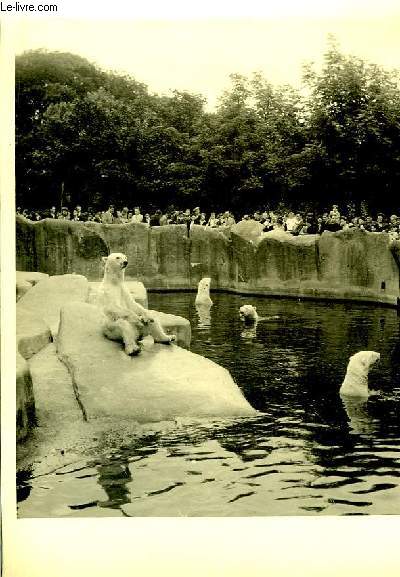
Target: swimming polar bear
pixel 355 383
pixel 203 292
pixel 125 319
pixel 248 314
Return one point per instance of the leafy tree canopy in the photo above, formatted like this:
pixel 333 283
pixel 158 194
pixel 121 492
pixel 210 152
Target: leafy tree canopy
pixel 101 137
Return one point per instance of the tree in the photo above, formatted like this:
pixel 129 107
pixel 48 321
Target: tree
pixel 103 138
pixel 75 125
pixel 91 145
pixel 170 161
pixel 256 130
pixel 355 120
pixel 42 79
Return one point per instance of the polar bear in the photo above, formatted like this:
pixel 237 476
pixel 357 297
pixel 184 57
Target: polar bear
pixel 355 383
pixel 124 318
pixel 203 292
pixel 248 314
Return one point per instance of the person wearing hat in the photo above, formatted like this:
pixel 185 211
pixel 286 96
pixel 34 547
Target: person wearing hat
pixel 64 214
pixel 196 215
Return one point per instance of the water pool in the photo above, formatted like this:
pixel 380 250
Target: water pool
pixel 306 453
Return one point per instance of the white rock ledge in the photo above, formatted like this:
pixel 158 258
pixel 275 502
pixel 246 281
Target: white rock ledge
pixel 163 382
pixel 47 297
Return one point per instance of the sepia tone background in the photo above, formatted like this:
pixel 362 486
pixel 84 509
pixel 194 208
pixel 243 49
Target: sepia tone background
pixel 206 547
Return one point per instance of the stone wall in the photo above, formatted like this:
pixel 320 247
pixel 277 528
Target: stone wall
pixel 354 264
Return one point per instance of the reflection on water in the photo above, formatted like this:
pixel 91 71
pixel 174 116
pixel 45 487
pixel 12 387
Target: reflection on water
pixel 308 452
pixel 114 476
pixel 204 315
pixel 359 418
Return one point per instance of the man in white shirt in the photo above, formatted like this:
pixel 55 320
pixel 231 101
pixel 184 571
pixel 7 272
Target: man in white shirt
pixel 137 216
pixel 291 222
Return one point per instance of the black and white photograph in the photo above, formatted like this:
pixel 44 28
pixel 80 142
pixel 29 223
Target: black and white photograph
pixel 207 251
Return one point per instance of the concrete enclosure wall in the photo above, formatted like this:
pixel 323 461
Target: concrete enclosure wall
pixel 352 264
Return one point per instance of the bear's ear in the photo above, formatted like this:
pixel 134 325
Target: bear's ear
pixel 104 259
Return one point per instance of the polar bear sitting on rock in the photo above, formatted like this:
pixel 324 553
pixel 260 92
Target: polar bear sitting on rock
pixel 125 319
pixel 355 383
pixel 203 292
pixel 248 314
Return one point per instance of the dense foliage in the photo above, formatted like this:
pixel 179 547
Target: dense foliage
pixel 90 137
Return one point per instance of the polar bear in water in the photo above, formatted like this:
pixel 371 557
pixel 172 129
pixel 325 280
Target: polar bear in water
pixel 124 319
pixel 203 292
pixel 248 314
pixel 355 383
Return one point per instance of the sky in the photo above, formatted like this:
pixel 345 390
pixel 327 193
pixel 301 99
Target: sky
pixel 197 50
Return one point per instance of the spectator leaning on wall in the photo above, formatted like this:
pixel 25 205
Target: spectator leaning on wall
pixel 107 217
pixel 137 215
pixel 300 223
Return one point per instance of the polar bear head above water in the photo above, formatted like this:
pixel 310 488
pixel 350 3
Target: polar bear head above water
pixel 203 292
pixel 355 383
pixel 248 314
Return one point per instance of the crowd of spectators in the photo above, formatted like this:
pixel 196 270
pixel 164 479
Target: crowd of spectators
pixel 279 220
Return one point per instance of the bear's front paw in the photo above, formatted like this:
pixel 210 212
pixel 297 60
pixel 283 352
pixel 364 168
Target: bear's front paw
pixel 168 340
pixel 132 349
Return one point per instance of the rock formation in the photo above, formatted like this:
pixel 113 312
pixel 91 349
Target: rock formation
pixel 158 386
pixel 162 383
pixel 352 264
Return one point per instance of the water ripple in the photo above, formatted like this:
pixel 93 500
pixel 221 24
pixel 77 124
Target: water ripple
pixel 305 452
